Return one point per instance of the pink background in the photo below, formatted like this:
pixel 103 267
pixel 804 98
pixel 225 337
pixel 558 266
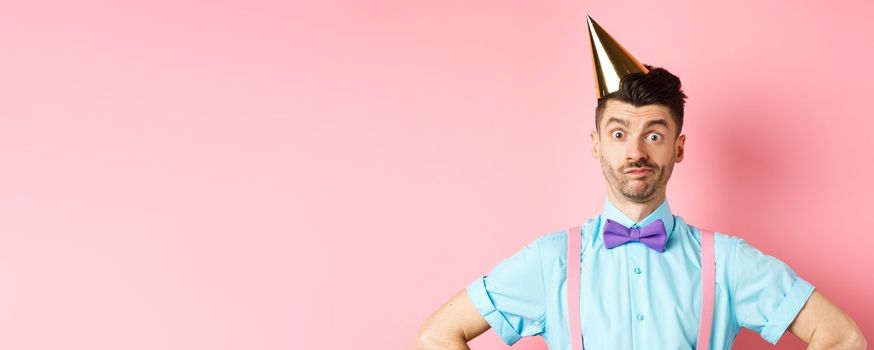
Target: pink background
pixel 242 175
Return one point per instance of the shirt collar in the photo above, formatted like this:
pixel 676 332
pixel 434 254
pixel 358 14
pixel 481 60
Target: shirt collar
pixel 662 212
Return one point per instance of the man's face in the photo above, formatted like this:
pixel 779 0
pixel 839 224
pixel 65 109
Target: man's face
pixel 637 148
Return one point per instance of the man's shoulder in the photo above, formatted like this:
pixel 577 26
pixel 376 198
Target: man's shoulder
pixel 725 244
pixel 554 243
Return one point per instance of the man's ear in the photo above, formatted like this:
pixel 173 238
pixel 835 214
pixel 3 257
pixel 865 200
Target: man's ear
pixel 595 140
pixel 680 151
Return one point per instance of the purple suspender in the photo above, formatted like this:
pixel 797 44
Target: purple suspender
pixel 708 272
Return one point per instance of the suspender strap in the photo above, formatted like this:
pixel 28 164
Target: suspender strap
pixel 574 247
pixel 708 283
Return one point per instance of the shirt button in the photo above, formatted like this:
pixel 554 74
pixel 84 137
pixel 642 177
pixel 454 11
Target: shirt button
pixel 637 270
pixel 640 317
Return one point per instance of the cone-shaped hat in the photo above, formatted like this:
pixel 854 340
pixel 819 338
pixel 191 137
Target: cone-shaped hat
pixel 611 60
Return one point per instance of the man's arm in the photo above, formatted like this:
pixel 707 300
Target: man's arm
pixel 823 325
pixel 452 325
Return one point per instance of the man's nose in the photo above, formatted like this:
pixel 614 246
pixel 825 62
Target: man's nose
pixel 635 149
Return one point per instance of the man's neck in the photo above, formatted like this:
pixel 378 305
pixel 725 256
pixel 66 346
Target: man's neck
pixel 636 211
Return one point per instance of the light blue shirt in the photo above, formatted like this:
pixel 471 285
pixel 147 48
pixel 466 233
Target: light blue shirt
pixel 634 297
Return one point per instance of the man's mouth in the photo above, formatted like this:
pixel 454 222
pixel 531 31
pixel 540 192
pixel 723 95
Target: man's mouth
pixel 639 171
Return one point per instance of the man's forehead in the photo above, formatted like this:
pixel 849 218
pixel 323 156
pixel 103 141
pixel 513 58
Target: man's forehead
pixel 622 111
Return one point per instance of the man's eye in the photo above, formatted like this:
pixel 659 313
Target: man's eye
pixel 655 137
pixel 615 133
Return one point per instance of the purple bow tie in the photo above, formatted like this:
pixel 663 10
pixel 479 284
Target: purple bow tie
pixel 652 235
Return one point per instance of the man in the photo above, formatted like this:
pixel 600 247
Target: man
pixel 636 294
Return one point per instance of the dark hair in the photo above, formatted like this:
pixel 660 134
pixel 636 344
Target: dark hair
pixel 658 86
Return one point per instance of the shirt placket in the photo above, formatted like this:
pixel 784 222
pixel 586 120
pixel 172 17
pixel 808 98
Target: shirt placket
pixel 637 282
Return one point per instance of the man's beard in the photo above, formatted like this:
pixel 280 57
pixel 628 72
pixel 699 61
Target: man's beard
pixel 653 182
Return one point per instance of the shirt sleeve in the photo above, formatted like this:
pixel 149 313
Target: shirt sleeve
pixel 511 298
pixel 767 294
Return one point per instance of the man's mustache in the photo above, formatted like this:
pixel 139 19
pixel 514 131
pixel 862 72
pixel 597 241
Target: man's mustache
pixel 640 164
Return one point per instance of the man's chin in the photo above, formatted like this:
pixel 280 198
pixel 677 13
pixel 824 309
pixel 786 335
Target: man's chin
pixel 638 195
pixel 637 187
pixel 639 198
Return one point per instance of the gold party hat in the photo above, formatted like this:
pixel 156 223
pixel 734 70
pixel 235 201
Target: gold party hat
pixel 611 60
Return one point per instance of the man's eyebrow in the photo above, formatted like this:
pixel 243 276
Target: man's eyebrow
pixel 647 125
pixel 617 120
pixel 656 122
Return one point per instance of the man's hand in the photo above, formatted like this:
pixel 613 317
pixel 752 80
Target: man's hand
pixel 452 325
pixel 823 325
